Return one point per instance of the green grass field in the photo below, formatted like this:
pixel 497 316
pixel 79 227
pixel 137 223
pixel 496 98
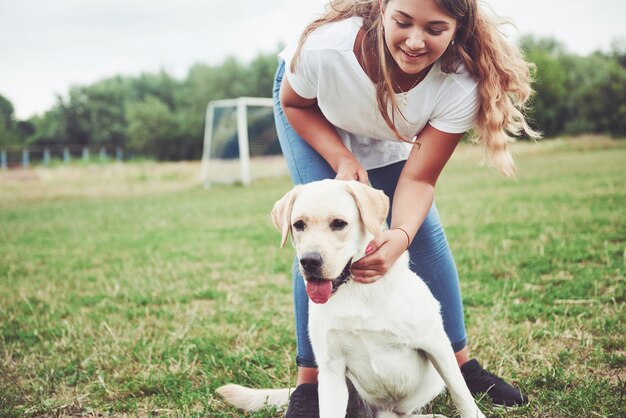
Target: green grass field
pixel 132 291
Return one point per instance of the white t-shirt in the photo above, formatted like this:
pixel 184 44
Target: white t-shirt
pixel 328 70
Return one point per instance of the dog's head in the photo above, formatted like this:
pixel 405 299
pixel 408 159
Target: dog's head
pixel 331 222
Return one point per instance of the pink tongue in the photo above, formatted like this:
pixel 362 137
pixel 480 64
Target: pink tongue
pixel 319 290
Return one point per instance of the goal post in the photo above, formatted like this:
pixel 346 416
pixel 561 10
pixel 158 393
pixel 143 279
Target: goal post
pixel 241 106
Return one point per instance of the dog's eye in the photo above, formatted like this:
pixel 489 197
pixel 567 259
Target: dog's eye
pixel 299 225
pixel 338 225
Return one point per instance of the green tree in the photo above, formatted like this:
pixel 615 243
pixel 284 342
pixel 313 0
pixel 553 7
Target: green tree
pixel 75 117
pixel 48 129
pixel 549 109
pixel 7 122
pixel 577 94
pixel 597 95
pixel 152 129
pixel 6 112
pixel 261 75
pixel 161 85
pixel 105 102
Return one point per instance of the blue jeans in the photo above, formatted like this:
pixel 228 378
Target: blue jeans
pixel 430 255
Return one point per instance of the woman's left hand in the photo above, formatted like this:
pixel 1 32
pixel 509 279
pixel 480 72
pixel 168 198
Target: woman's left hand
pixel 381 253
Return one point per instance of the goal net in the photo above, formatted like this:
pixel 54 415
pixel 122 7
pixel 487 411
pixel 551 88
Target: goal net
pixel 240 142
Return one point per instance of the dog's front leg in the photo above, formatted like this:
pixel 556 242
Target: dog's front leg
pixel 333 390
pixel 442 357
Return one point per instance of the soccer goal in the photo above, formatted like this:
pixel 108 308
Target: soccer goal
pixel 236 130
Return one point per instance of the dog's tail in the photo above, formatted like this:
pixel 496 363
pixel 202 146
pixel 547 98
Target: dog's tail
pixel 254 399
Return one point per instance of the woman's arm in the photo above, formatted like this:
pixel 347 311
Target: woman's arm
pixel 411 202
pixel 306 118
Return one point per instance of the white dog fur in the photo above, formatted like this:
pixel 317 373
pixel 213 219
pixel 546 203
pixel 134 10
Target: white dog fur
pixel 386 337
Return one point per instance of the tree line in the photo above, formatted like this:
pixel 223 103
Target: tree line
pixel 158 116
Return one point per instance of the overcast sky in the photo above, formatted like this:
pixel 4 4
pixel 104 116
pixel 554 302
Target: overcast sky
pixel 47 46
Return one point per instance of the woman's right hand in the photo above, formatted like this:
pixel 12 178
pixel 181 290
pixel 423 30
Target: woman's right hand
pixel 351 169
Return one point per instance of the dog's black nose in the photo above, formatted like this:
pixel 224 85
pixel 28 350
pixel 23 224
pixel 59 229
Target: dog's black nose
pixel 311 261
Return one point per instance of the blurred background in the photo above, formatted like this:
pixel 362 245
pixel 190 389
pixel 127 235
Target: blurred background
pixel 121 79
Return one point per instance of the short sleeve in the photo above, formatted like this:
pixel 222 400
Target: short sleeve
pixel 456 109
pixel 304 80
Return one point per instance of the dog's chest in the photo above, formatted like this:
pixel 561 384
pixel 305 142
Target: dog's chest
pixel 377 336
pixel 380 365
pixel 379 352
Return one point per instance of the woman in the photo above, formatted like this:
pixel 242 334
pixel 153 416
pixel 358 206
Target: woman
pixel 382 91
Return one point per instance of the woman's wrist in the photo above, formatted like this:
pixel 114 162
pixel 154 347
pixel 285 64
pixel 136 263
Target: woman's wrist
pixel 342 158
pixel 406 235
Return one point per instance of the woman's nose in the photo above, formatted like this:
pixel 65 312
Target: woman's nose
pixel 415 41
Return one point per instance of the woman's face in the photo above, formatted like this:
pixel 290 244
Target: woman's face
pixel 417 33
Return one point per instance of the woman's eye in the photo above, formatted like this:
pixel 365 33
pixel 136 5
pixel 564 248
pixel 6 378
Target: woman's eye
pixel 299 226
pixel 402 24
pixel 435 32
pixel 338 225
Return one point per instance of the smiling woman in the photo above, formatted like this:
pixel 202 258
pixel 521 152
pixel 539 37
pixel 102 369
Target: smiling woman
pixel 398 42
pixel 382 91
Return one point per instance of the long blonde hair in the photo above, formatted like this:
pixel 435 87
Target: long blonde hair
pixel 504 77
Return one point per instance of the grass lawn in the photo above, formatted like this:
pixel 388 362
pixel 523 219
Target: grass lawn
pixel 132 291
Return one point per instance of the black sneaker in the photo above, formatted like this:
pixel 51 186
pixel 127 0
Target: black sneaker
pixel 304 402
pixel 479 381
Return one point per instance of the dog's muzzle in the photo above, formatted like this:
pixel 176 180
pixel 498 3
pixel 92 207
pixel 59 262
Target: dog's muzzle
pixel 318 288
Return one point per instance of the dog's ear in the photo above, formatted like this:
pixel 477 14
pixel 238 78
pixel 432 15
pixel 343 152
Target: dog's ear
pixel 373 205
pixel 281 214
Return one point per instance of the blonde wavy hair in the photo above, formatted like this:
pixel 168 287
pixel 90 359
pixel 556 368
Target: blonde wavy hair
pixel 504 77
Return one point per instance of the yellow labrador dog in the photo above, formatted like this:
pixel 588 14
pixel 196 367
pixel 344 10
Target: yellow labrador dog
pixel 386 337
